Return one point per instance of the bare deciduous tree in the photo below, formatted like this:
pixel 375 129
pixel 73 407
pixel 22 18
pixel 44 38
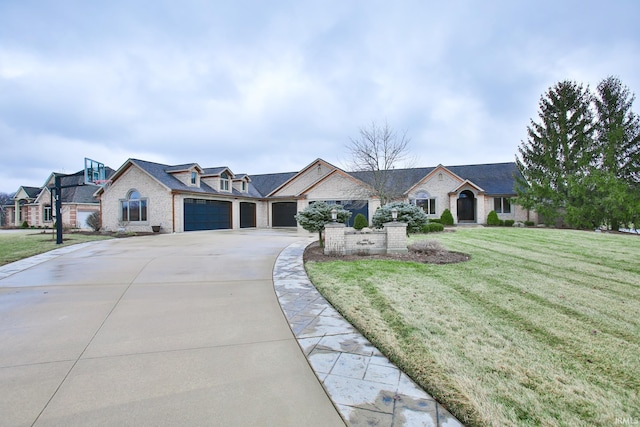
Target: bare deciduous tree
pixel 376 152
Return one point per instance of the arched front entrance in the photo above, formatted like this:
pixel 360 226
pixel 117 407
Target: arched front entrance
pixel 466 206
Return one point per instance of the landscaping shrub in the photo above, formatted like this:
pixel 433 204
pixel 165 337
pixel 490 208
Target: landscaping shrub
pixel 427 246
pixel 25 224
pixel 360 222
pixel 94 221
pixel 446 218
pixel 509 222
pixel 437 220
pixel 318 214
pixel 492 218
pixel 529 223
pixel 432 227
pixel 410 214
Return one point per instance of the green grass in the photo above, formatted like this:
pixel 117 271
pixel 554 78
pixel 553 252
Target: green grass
pixel 18 245
pixel 540 327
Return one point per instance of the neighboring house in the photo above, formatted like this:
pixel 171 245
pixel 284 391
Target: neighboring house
pixel 35 205
pixel 188 197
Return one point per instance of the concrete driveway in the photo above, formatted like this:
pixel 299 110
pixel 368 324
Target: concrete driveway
pixel 180 329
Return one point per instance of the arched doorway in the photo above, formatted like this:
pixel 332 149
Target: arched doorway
pixel 466 206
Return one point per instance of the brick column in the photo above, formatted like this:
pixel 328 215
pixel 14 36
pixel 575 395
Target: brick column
pixel 396 237
pixel 334 239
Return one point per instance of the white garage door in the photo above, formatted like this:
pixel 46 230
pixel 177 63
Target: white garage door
pixel 81 219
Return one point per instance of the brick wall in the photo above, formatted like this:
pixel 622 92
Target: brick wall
pixel 159 202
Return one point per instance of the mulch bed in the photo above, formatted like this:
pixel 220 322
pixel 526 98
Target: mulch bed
pixel 315 253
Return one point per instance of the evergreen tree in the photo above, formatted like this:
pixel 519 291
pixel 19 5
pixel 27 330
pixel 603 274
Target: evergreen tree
pixel 618 131
pixel 413 215
pixel 609 194
pixel 559 146
pixel 318 214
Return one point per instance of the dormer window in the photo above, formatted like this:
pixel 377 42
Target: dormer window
pixel 244 186
pixel 224 182
pixel 194 178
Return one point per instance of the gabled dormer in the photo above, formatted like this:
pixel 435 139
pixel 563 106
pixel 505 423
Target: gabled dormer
pixel 220 179
pixel 189 174
pixel 28 194
pixel 241 183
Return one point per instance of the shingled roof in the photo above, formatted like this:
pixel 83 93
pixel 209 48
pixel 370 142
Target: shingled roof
pixel 162 174
pixel 494 178
pixel 266 183
pixel 32 192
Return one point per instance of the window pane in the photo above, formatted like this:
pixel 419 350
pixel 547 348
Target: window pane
pixel 506 204
pixel 143 210
pixel 497 206
pixel 134 195
pixel 432 206
pixel 134 210
pixel 125 211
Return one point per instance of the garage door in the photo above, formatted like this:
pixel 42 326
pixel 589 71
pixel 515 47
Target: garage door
pixel 283 214
pixel 202 214
pixel 247 215
pixel 81 219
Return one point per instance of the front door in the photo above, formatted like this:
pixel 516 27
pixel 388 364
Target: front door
pixel 466 207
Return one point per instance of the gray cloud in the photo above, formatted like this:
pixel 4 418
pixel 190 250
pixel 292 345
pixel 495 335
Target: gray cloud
pixel 268 87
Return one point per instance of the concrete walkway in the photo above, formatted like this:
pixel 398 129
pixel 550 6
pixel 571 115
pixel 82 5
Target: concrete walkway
pixel 180 329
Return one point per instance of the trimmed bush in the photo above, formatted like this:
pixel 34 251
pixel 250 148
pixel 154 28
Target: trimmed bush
pixel 318 214
pixel 432 227
pixel 446 218
pixel 25 224
pixel 94 221
pixel 436 220
pixel 412 215
pixel 492 218
pixel 529 223
pixel 509 222
pixel 360 222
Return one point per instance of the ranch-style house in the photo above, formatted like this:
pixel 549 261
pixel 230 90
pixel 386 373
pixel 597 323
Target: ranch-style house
pixel 177 198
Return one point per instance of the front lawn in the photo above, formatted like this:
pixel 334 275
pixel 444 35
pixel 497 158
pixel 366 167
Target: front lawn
pixel 17 245
pixel 540 327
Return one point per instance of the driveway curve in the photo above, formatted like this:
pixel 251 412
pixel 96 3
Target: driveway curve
pixel 181 329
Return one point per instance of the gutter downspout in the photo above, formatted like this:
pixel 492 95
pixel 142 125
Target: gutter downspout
pixel 173 212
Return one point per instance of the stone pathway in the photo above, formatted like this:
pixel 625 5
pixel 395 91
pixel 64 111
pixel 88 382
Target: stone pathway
pixel 364 385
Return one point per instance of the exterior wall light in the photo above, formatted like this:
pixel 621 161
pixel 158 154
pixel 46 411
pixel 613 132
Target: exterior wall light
pixel 334 215
pixel 394 214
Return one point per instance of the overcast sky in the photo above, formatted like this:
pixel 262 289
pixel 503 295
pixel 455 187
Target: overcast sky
pixel 269 86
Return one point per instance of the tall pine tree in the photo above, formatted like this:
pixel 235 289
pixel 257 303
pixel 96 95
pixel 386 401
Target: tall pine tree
pixel 617 131
pixel 559 146
pixel 616 171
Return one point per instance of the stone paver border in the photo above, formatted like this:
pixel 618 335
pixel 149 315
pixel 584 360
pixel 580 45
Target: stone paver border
pixel 365 387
